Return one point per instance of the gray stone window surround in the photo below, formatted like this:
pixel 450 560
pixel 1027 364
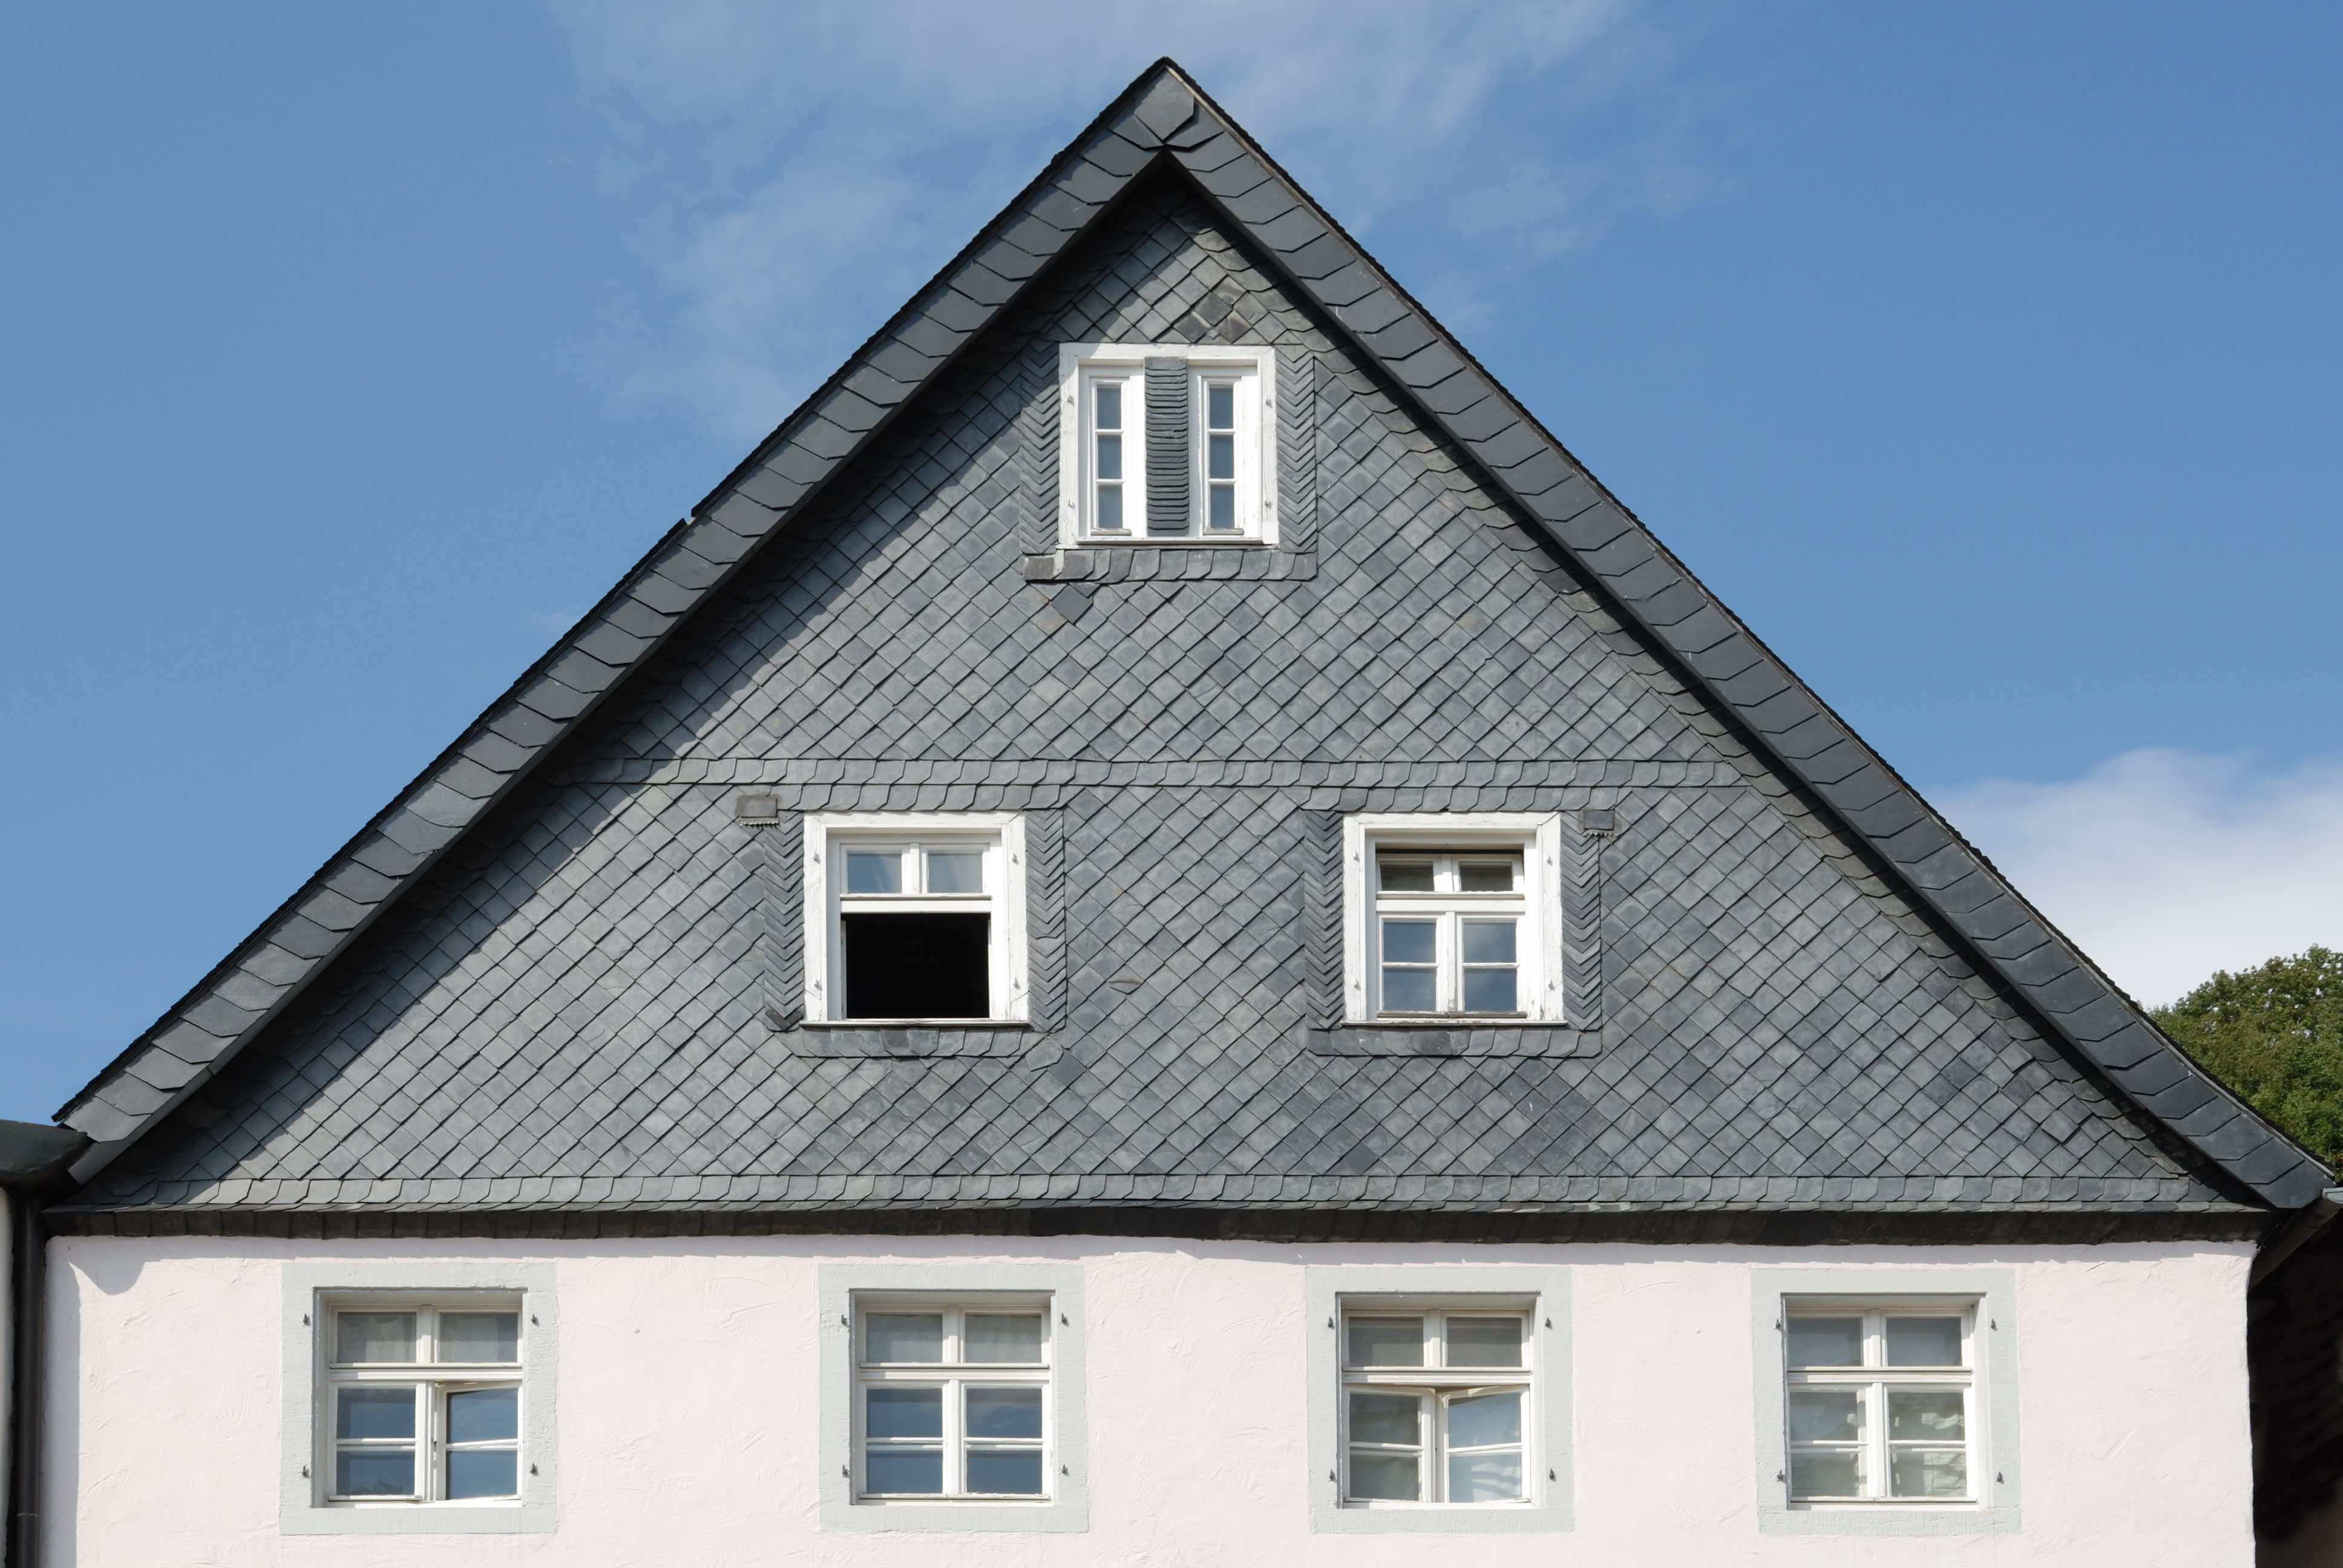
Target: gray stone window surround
pixel 306 1286
pixel 1326 1286
pixel 1995 1338
pixel 1068 1507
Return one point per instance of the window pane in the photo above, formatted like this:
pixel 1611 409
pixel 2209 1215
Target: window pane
pixel 955 870
pixel 1405 876
pixel 1220 456
pixel 1485 1341
pixel 1928 1415
pixel 1223 513
pixel 374 1472
pixel 903 1337
pixel 374 1337
pixel 1826 1342
pixel 1484 1477
pixel 1221 409
pixel 1491 991
pixel 1004 1412
pixel 1394 1418
pixel 1826 1415
pixel 1408 941
pixel 484 1415
pixel 1384 1476
pixel 1386 1342
pixel 917 966
pixel 1836 1472
pixel 375 1411
pixel 903 1413
pixel 1110 456
pixel 1924 1341
pixel 1408 991
pixel 999 1338
pixel 874 871
pixel 1486 876
pixel 1109 407
pixel 1488 941
pixel 1929 1471
pixel 911 1469
pixel 480 1336
pixel 1484 1421
pixel 484 1473
pixel 1010 1469
pixel 1110 508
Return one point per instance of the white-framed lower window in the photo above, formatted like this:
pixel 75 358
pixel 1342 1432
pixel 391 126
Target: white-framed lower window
pixel 1226 433
pixel 915 917
pixel 1436 1401
pixel 951 1398
pixel 1877 1400
pixel 418 1397
pixel 1439 1397
pixel 1451 917
pixel 422 1398
pixel 1886 1402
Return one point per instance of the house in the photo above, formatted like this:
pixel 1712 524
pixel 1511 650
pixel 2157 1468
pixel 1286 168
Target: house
pixel 1159 933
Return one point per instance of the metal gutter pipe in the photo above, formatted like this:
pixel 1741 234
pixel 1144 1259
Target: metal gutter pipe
pixel 33 1159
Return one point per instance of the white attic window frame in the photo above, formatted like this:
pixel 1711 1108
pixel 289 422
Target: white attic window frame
pixel 1082 367
pixel 1535 837
pixel 998 835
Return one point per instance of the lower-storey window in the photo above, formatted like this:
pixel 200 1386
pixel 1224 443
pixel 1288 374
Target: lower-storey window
pixel 952 1397
pixel 422 1400
pixel 1435 1401
pixel 1878 1402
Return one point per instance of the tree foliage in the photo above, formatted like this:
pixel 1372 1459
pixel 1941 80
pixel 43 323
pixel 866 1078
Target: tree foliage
pixel 2275 1035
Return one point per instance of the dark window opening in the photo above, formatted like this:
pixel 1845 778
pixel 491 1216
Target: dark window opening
pixel 917 966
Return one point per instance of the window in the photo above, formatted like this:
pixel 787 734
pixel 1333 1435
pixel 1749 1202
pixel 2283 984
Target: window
pixel 1435 1405
pixel 951 1399
pixel 915 918
pixel 1887 1399
pixel 951 1396
pixel 422 1401
pixel 1878 1401
pixel 1167 444
pixel 1451 917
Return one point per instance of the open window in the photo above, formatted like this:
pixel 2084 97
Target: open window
pixel 1436 1401
pixel 915 918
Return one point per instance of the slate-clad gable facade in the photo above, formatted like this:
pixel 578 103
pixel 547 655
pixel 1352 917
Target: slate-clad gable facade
pixel 581 1010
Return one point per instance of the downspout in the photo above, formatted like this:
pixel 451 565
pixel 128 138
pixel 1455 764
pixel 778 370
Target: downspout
pixel 33 1159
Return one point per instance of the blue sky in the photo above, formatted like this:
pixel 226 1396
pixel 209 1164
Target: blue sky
pixel 1982 357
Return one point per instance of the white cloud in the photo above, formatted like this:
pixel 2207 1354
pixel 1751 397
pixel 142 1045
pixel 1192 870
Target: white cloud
pixel 814 162
pixel 2164 865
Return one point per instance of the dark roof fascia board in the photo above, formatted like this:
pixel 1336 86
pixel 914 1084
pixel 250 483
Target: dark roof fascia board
pixel 1164 117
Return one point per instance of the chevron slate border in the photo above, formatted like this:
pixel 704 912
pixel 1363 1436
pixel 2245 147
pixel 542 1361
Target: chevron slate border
pixel 1164 121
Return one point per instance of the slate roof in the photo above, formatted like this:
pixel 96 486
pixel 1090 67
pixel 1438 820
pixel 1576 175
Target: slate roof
pixel 550 966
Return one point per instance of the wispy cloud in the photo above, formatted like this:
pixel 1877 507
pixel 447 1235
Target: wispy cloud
pixel 804 166
pixel 2168 865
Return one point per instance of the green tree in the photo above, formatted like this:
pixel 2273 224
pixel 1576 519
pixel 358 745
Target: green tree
pixel 2275 1035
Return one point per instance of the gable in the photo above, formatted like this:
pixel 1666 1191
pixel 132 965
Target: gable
pixel 573 1009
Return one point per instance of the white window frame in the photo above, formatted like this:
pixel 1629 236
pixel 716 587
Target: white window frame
pixel 432 1381
pixel 1873 1381
pixel 1536 837
pixel 1986 1297
pixel 1081 366
pixel 1002 837
pixel 1434 1384
pixel 1333 1293
pixel 849 1291
pixel 314 1294
pixel 954 1376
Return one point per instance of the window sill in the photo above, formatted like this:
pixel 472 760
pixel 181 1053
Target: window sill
pixel 905 1037
pixel 1451 1036
pixel 1140 559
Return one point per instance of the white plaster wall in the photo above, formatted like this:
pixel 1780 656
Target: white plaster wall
pixel 689 1408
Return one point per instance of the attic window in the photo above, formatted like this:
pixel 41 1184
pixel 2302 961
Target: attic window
pixel 1451 917
pixel 1167 444
pixel 914 918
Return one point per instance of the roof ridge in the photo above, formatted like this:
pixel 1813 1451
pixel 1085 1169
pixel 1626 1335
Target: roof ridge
pixel 1164 120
